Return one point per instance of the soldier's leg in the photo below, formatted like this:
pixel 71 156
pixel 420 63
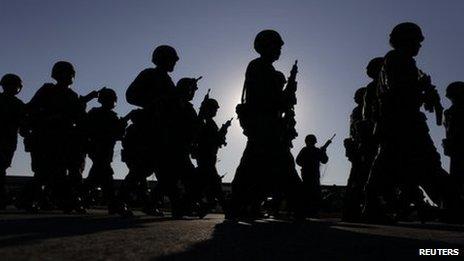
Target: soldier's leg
pixel 33 191
pixel 288 182
pixel 353 195
pixel 3 199
pixel 168 178
pixel 380 183
pixel 75 168
pixel 244 185
pixel 137 171
pixel 3 167
pixel 107 184
pixel 457 171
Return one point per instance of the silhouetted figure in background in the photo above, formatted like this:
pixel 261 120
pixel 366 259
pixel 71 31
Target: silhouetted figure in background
pixel 310 159
pixel 209 139
pixel 407 155
pixel 454 142
pixel 54 116
pixel 267 118
pixel 11 117
pixel 361 147
pixel 103 128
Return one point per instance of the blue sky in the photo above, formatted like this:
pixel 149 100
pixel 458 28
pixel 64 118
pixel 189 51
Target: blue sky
pixel 110 42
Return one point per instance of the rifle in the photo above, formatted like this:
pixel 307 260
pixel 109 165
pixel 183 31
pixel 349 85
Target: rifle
pixel 201 112
pixel 432 98
pixel 289 113
pixel 327 143
pixel 292 83
pixel 223 130
pixel 227 124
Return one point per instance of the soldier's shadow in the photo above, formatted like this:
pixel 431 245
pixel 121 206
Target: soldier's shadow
pixel 29 230
pixel 311 241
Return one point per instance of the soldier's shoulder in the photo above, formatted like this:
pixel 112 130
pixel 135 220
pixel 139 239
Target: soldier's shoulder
pixel 18 101
pixel 45 89
pixel 259 67
pixel 72 94
pixel 148 71
pixel 257 64
pixel 395 56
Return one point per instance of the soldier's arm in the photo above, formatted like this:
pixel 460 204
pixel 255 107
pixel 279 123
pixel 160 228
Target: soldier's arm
pixel 323 158
pixel 300 158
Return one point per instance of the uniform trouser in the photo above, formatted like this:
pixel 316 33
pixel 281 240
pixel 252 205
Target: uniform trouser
pixel 312 191
pixel 410 162
pixel 209 182
pixel 6 157
pixel 354 195
pixel 173 166
pixel 101 174
pixel 136 181
pixel 49 168
pixel 75 166
pixel 457 171
pixel 264 170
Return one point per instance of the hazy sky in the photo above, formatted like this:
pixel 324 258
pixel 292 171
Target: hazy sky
pixel 110 42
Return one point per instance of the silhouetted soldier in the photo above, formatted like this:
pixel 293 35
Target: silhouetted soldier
pixel 182 133
pixel 454 142
pixel 310 159
pixel 267 164
pixel 153 87
pixel 359 167
pixel 11 116
pixel 209 139
pixel 361 147
pixel 54 115
pixel 370 102
pixel 154 91
pixel 137 153
pixel 103 128
pixel 406 153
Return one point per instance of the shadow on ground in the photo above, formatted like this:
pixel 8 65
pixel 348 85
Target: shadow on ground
pixel 311 241
pixel 30 230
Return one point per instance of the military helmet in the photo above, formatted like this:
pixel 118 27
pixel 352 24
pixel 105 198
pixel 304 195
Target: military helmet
pixel 107 94
pixel 62 67
pixel 406 32
pixel 185 83
pixel 374 67
pixel 455 90
pixel 311 139
pixel 163 53
pixel 10 79
pixel 266 38
pixel 210 103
